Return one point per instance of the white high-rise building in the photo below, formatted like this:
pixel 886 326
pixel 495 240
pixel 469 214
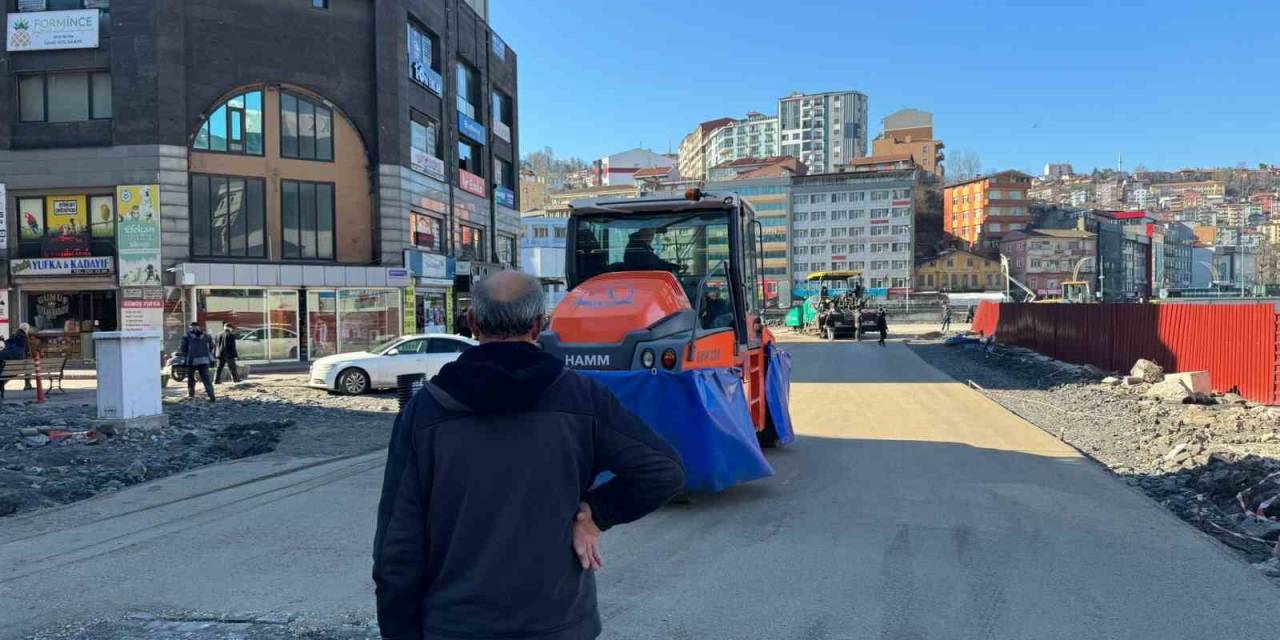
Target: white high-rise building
pixel 755 137
pixel 826 131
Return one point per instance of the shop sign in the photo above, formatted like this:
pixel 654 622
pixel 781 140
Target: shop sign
pixel 499 47
pixel 463 268
pixel 471 183
pixel 61 266
pixel 426 265
pixel 410 311
pixel 142 309
pixel 504 196
pixel 398 278
pixel 53 30
pixel 470 128
pixel 138 234
pixel 427 77
pixel 423 162
pixel 53 305
pixel 4 314
pixel 4 223
pixel 501 130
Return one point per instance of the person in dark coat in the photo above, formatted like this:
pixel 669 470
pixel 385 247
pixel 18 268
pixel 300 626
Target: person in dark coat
pixel 16 348
pixel 197 348
pixel 489 523
pixel 460 324
pixel 882 324
pixel 225 349
pixel 946 316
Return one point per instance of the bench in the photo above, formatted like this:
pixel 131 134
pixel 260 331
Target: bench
pixel 50 369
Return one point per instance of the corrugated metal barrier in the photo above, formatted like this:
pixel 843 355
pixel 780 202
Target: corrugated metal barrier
pixel 1236 344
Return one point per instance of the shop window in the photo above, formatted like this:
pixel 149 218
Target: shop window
pixel 503 113
pixel 227 217
pixel 468 90
pixel 428 232
pixel 66 226
pixel 306 129
pixel 468 243
pixel 62 321
pixel 507 250
pixel 235 126
pixel 367 318
pixel 307 219
pixel 64 97
pixel 469 157
pixel 265 321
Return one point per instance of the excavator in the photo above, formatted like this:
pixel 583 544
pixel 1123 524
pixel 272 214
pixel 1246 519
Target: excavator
pixel 664 308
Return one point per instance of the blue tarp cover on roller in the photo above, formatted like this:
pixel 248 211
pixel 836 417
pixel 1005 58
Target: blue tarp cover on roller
pixel 777 393
pixel 703 414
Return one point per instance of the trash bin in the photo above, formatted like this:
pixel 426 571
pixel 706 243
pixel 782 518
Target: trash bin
pixel 407 385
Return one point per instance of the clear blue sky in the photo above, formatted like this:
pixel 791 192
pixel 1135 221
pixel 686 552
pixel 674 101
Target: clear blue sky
pixel 1168 84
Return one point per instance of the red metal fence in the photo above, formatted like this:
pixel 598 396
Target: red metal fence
pixel 1236 344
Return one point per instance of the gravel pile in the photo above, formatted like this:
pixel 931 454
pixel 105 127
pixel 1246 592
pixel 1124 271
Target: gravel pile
pixel 51 454
pixel 1211 461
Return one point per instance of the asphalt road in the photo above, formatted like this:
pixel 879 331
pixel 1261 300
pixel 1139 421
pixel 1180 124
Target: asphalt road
pixel 910 508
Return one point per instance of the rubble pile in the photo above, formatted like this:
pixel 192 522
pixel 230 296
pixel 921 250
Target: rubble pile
pixel 1213 459
pixel 52 453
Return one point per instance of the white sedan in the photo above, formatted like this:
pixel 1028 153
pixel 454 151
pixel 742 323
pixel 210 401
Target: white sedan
pixel 361 371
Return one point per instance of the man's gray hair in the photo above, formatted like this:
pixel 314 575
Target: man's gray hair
pixel 507 304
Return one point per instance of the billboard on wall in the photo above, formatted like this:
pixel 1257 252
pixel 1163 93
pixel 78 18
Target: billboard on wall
pixel 472 183
pixel 4 222
pixel 138 234
pixel 43 30
pixel 142 309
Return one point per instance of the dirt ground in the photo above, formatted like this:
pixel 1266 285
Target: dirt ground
pixel 50 453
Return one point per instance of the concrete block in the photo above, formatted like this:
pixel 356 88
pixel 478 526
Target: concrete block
pixel 1193 381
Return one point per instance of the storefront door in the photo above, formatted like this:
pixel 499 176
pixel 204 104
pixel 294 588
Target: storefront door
pixel 63 321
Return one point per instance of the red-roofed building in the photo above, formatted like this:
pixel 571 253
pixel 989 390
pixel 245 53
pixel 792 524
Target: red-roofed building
pixel 693 149
pixel 751 168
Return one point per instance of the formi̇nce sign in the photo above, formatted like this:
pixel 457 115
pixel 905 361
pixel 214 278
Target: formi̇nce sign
pixel 38 31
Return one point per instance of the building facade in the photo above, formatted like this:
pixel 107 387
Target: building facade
pixel 1042 259
pixel 692 159
pixel 979 212
pixel 754 137
pixel 957 270
pixel 910 132
pixel 1057 170
pixel 320 198
pixel 856 220
pixel 1126 259
pixel 618 169
pixel 825 131
pixel 771 199
pixel 542 247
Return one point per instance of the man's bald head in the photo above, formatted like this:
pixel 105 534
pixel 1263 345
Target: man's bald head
pixel 507 305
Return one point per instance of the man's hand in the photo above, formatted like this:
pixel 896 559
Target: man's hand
pixel 586 539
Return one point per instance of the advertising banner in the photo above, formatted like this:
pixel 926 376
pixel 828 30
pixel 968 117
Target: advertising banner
pixel 4 223
pixel 138 234
pixel 67 215
pixel 410 311
pixel 4 314
pixel 398 278
pixel 471 183
pixel 423 162
pixel 30 219
pixel 504 196
pixel 142 309
pixel 53 30
pixel 470 128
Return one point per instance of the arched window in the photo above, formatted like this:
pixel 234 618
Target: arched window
pixel 234 127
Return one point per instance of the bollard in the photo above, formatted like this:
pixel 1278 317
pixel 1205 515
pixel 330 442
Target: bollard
pixel 39 384
pixel 407 385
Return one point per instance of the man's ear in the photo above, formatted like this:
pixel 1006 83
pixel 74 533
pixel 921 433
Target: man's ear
pixel 538 325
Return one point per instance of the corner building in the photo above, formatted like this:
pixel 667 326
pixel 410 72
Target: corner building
pixel 331 173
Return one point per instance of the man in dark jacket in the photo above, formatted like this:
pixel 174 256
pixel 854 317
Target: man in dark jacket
pixel 197 348
pixel 882 324
pixel 488 526
pixel 225 348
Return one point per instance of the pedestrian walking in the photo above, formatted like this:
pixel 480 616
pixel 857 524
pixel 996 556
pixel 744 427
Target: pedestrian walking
pixel 225 349
pixel 882 324
pixel 197 348
pixel 460 324
pixel 946 316
pixel 968 315
pixel 488 525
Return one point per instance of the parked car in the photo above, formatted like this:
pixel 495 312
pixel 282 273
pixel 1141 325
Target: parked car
pixel 362 371
pixel 252 344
